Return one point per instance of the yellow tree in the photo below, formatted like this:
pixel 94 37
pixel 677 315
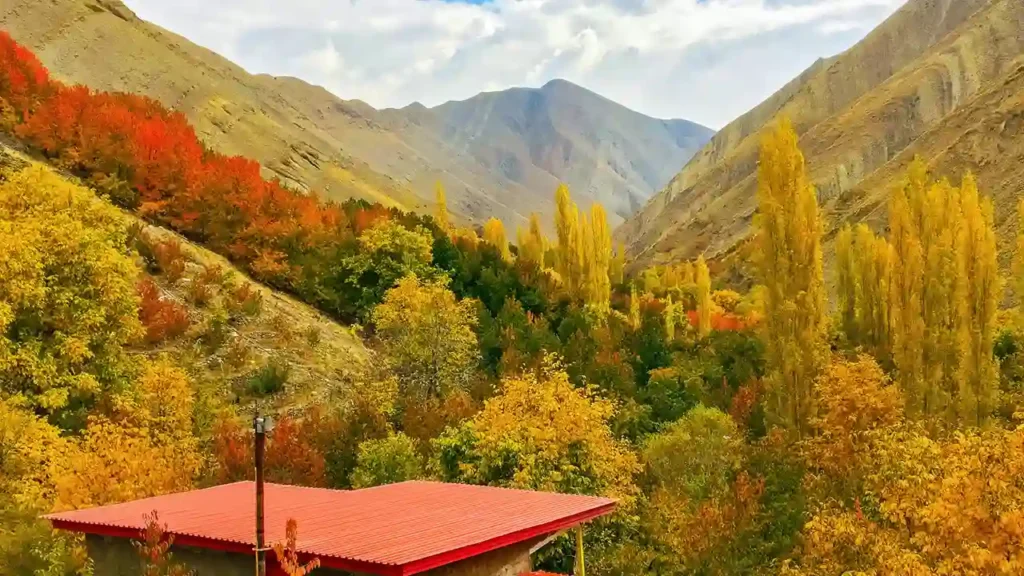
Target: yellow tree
pixel 586 255
pixel 871 260
pixel 703 297
pixel 541 433
pixel 441 209
pixel 494 234
pixel 846 283
pixel 978 374
pixel 788 238
pixel 600 283
pixel 670 319
pixel 905 294
pixel 68 302
pixel 531 242
pixel 569 242
pixel 427 337
pixel 1018 265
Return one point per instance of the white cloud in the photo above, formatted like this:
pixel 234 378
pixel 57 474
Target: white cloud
pixel 705 60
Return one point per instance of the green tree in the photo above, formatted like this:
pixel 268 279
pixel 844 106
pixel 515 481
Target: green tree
pixel 387 461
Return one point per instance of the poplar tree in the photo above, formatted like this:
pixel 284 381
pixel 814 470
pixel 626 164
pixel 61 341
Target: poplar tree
pixel 1018 265
pixel 846 284
pixel 494 234
pixel 634 307
pixel 703 297
pixel 617 266
pixel 978 373
pixel 566 227
pixel 441 208
pixel 872 265
pixel 600 282
pixel 905 296
pixel 532 244
pixel 670 320
pixel 788 240
pixel 587 257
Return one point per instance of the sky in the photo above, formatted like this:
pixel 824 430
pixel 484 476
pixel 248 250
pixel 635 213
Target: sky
pixel 703 60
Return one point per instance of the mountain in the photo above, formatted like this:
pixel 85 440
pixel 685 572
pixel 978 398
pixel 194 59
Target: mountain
pixel 562 132
pixel 940 79
pixel 498 154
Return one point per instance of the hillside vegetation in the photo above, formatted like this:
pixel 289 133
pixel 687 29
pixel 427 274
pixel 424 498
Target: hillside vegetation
pixel 923 83
pixel 741 433
pixel 498 154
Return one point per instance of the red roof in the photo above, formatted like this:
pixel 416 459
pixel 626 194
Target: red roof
pixel 396 529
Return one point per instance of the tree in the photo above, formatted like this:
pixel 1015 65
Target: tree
pixel 541 433
pixel 441 208
pixel 703 297
pixel 617 265
pixel 697 456
pixel 854 399
pixel 788 239
pixel 427 337
pixel 598 283
pixel 567 225
pixel 154 550
pixel 532 243
pixel 494 234
pixel 68 304
pixel 977 373
pixel 1018 265
pixel 846 282
pixel 386 461
pixel 287 553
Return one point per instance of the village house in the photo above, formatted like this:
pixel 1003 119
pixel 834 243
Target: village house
pixel 394 530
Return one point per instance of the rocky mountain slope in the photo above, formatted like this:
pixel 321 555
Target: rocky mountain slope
pixel 940 79
pixel 498 154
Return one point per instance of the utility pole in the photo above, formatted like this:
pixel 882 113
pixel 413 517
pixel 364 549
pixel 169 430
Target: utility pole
pixel 260 426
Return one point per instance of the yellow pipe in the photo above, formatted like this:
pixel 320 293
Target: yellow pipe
pixel 580 568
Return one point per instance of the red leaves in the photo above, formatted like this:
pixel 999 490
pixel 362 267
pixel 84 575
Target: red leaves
pixel 163 318
pixel 22 75
pixel 133 140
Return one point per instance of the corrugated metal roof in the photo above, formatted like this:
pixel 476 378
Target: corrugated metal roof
pixel 394 525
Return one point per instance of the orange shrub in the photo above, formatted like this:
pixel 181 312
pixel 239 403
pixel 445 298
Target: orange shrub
pixel 163 318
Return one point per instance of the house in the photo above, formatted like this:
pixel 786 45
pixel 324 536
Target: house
pixel 394 530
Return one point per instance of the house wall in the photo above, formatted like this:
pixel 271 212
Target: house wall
pixel 118 557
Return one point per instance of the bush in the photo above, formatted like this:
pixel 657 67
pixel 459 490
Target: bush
pixel 269 380
pixel 244 301
pixel 386 461
pixel 162 318
pixel 170 259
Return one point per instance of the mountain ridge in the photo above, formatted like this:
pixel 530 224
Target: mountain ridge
pixel 314 140
pixel 855 114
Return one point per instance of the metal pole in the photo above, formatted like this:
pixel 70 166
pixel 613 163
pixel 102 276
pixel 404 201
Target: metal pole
pixel 261 437
pixel 580 568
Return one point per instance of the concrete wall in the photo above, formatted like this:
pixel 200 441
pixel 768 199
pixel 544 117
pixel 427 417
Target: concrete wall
pixel 118 557
pixel 509 561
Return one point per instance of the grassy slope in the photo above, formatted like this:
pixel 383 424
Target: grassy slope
pixel 325 358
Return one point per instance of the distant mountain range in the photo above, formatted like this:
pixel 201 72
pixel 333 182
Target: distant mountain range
pixel 942 79
pixel 498 154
